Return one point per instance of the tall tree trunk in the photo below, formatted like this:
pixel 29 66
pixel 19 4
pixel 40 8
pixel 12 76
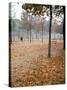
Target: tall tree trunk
pixel 10 41
pixel 50 24
pixel 64 28
pixel 14 34
pixel 10 21
pixel 14 29
pixel 30 33
pixel 18 34
pixel 27 34
pixel 30 28
pixel 10 33
pixel 42 32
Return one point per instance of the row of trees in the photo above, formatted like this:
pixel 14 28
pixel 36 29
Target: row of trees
pixel 34 17
pixel 40 10
pixel 36 23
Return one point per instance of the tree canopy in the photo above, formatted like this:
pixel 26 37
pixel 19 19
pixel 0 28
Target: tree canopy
pixel 35 9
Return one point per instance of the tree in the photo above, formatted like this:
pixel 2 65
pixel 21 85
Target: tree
pixel 64 27
pixel 30 26
pixel 28 8
pixel 42 30
pixel 37 9
pixel 49 48
pixel 10 36
pixel 61 10
pixel 37 25
pixel 26 23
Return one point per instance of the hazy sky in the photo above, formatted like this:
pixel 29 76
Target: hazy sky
pixel 16 10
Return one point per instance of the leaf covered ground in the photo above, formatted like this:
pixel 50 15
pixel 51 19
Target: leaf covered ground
pixel 30 65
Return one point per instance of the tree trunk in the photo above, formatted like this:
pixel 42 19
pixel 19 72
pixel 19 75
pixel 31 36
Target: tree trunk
pixel 30 28
pixel 18 34
pixel 27 34
pixel 36 35
pixel 14 34
pixel 14 29
pixel 10 41
pixel 42 32
pixel 64 28
pixel 10 33
pixel 30 33
pixel 49 47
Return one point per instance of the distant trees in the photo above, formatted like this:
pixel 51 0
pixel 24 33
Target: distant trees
pixel 60 10
pixel 40 10
pixel 14 29
pixel 42 24
pixel 37 24
pixel 26 23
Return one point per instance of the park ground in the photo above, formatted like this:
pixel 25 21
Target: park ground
pixel 30 65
